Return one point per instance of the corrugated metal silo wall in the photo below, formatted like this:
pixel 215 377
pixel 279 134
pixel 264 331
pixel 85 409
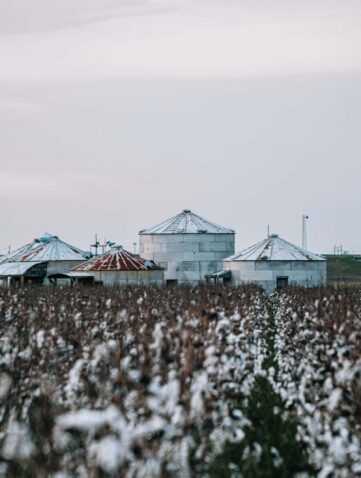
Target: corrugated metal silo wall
pixel 265 273
pixel 187 257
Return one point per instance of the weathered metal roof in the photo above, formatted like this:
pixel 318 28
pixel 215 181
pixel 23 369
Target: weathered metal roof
pixel 187 223
pixel 274 248
pixel 8 257
pixel 47 248
pixel 117 259
pixel 16 268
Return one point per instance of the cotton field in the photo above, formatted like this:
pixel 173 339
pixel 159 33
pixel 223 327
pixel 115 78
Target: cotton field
pixel 180 382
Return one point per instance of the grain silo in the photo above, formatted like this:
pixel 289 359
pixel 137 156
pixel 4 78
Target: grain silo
pixel 274 263
pixel 118 267
pixel 187 246
pixel 46 260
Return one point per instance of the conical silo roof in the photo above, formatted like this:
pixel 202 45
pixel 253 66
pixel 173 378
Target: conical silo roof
pixel 22 250
pixel 187 222
pixel 117 259
pixel 274 248
pixel 46 248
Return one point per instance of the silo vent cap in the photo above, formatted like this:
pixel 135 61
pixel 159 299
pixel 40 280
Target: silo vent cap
pixel 186 210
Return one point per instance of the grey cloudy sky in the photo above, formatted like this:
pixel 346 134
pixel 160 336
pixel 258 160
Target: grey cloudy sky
pixel 116 114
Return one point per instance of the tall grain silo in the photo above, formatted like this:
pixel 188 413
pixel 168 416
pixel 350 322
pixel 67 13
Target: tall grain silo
pixel 187 246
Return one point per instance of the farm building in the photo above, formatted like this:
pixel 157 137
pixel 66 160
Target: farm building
pixel 118 267
pixel 187 246
pixel 274 263
pixel 46 260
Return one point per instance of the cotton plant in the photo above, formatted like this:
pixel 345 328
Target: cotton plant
pixel 318 351
pixel 146 382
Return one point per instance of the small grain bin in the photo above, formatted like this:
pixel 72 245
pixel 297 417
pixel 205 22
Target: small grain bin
pixel 274 263
pixel 118 267
pixel 187 246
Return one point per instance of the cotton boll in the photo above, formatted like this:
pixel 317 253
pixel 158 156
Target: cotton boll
pixel 334 399
pixel 90 420
pixel 5 385
pixel 26 354
pixel 17 443
pixel 74 383
pixel 40 338
pixel 198 388
pixel 108 454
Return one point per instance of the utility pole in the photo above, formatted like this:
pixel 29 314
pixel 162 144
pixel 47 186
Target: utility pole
pixel 304 232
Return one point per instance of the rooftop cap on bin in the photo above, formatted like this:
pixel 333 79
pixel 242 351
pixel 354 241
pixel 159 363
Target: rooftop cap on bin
pixel 117 259
pixel 187 223
pixel 46 248
pixel 274 248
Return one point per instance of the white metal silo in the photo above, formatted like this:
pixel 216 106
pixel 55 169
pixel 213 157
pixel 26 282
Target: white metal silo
pixel 187 246
pixel 274 263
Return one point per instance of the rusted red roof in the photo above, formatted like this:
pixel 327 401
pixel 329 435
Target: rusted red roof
pixel 117 259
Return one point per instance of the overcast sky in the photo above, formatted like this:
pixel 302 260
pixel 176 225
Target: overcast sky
pixel 117 114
